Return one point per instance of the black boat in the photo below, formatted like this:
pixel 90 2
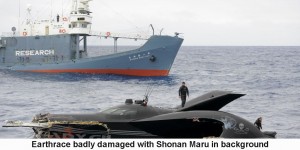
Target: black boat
pixel 199 118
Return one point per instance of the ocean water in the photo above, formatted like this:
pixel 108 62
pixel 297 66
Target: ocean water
pixel 270 76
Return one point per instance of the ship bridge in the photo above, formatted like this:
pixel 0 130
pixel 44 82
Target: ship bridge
pixel 79 22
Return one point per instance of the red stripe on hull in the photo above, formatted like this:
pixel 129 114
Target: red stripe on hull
pixel 130 72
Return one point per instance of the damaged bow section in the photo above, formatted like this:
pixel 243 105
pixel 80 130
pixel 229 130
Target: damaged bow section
pixel 45 128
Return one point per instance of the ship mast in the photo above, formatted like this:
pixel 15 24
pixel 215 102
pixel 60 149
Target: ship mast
pixel 80 23
pixel 19 16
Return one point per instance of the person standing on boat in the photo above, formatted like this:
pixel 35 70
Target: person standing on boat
pixel 257 123
pixel 183 92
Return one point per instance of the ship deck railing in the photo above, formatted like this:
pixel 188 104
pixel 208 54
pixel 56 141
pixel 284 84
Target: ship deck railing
pixel 135 36
pixel 8 34
pixel 115 35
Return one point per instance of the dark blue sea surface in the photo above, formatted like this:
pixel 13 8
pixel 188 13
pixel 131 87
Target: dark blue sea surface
pixel 270 76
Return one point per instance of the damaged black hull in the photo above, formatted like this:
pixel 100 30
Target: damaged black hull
pixel 200 118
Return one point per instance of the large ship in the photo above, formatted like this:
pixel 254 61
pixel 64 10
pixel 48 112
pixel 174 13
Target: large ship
pixel 60 46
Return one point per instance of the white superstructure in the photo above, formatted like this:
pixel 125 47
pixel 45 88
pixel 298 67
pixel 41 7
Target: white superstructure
pixel 78 22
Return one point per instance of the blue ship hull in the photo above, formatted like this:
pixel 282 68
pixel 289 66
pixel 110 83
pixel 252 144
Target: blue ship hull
pixel 154 58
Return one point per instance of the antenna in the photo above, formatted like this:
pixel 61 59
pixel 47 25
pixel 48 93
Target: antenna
pixel 19 15
pixel 151 90
pixel 51 9
pixel 148 91
pixel 147 95
pixel 29 7
pixel 62 8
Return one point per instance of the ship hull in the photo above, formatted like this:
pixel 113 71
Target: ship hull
pixel 154 58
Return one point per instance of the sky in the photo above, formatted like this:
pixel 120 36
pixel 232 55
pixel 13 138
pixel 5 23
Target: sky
pixel 202 22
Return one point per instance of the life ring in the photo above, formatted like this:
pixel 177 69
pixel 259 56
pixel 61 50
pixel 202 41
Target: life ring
pixel 24 33
pixel 108 34
pixel 62 30
pixel 65 19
